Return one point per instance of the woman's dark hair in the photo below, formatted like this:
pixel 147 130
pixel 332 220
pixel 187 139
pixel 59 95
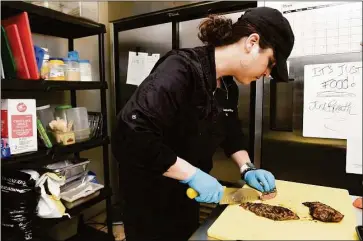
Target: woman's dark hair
pixel 219 31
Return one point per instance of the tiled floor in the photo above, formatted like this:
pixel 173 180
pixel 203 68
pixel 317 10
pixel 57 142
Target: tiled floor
pixel 99 223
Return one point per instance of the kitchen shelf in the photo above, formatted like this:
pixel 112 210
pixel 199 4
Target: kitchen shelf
pixel 49 85
pixel 44 156
pixel 51 22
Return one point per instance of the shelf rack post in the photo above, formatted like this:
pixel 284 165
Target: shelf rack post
pixel 73 92
pixel 106 166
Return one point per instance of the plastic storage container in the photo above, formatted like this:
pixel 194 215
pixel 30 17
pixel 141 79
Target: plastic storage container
pixel 81 200
pixel 72 69
pixel 60 111
pixel 45 115
pixel 85 70
pixel 56 69
pixel 81 191
pixel 69 168
pixel 79 116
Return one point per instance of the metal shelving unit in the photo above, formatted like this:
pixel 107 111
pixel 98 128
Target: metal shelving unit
pixel 45 156
pixel 47 85
pixel 53 23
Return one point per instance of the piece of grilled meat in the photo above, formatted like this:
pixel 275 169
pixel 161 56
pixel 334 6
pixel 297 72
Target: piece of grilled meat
pixel 269 195
pixel 276 213
pixel 323 212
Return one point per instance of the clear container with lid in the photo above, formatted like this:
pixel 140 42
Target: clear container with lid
pixel 56 69
pixel 85 69
pixel 79 116
pixel 60 111
pixel 45 115
pixel 72 69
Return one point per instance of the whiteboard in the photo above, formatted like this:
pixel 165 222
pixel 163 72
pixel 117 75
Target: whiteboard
pixel 323 27
pixel 332 99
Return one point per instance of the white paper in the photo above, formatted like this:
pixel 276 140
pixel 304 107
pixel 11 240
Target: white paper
pixel 136 63
pixel 150 63
pixel 139 66
pixel 354 154
pixel 332 99
pixel 315 23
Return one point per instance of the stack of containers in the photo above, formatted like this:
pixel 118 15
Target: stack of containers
pixel 79 116
pixel 79 186
pixel 71 68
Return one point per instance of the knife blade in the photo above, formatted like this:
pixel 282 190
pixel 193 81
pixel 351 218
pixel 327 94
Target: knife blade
pixel 232 195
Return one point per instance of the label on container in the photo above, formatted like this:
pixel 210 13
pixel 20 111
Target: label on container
pixel 21 126
pixel 21 145
pixel 56 72
pixel 72 69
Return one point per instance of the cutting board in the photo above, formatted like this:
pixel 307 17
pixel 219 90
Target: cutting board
pixel 17 51
pixel 236 223
pixel 22 23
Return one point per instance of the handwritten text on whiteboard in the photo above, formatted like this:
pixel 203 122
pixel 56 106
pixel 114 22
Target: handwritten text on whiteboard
pixel 332 99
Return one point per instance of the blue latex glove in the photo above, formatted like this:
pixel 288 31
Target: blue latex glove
pixel 208 188
pixel 255 178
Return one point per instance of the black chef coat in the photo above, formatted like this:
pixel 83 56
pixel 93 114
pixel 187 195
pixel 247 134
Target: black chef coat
pixel 176 111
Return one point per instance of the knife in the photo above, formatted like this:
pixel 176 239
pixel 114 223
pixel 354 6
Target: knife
pixel 234 194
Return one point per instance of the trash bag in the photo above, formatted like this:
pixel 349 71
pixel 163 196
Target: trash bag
pixel 18 205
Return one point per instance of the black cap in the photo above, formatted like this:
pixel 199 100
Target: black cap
pixel 276 29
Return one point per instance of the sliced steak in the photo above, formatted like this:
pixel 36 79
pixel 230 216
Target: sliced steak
pixel 276 213
pixel 269 195
pixel 323 212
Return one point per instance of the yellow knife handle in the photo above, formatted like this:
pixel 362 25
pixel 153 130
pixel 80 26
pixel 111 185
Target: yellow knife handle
pixel 191 193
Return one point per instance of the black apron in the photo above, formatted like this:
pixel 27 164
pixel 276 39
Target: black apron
pixel 157 208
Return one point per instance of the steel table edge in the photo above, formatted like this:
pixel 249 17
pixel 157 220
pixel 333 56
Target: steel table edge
pixel 201 232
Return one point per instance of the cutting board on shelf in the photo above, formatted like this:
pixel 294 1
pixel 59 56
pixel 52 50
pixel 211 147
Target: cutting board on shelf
pixel 22 23
pixel 17 50
pixel 236 223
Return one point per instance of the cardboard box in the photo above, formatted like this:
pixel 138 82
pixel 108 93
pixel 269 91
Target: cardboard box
pixel 18 124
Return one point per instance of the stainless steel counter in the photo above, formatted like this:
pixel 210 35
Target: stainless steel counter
pixel 201 232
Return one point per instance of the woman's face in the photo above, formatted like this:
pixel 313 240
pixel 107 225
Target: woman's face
pixel 255 62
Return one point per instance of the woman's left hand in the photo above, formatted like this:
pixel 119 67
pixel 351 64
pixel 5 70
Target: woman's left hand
pixel 261 180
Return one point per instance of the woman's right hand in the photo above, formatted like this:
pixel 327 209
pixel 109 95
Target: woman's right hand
pixel 208 188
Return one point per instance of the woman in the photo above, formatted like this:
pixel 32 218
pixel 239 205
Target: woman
pixel 170 128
